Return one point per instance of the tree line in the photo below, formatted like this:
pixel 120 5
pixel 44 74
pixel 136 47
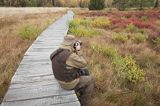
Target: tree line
pixel 123 4
pixel 26 3
pixel 120 4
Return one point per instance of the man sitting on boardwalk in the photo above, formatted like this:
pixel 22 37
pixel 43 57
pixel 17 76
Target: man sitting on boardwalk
pixel 69 68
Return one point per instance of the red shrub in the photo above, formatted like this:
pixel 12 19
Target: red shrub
pixel 121 19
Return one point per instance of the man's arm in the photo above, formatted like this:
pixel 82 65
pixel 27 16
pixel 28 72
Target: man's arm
pixel 76 61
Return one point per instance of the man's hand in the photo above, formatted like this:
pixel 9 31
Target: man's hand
pixel 79 53
pixel 83 72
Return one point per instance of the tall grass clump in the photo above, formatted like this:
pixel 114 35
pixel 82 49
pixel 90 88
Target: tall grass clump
pixel 131 28
pixel 125 68
pixel 106 51
pixel 98 22
pixel 120 37
pixel 83 27
pixel 101 22
pixel 139 37
pixel 29 32
pixel 80 22
pixel 84 32
pixel 156 41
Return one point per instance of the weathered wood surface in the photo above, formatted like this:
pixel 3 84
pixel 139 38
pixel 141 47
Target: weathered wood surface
pixel 33 83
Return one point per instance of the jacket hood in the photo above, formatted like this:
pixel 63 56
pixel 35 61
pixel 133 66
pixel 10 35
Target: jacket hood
pixel 68 42
pixel 70 47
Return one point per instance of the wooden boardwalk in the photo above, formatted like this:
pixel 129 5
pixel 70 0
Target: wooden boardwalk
pixel 33 83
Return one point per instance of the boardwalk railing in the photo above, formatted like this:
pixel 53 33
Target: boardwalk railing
pixel 33 83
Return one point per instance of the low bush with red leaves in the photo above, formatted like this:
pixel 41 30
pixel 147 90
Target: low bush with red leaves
pixel 141 19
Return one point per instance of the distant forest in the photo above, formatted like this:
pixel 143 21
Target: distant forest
pixel 79 3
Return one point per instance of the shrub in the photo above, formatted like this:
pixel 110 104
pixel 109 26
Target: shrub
pixel 29 32
pixel 101 22
pixel 86 22
pixel 81 28
pixel 131 28
pixel 120 37
pixel 125 67
pixel 144 18
pixel 80 22
pixel 96 4
pixel 84 32
pixel 139 38
pixel 128 70
pixel 152 35
pixel 156 41
pixel 106 51
pixel 141 24
pixel 74 23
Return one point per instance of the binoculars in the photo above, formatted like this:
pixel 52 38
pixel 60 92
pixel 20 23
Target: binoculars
pixel 83 72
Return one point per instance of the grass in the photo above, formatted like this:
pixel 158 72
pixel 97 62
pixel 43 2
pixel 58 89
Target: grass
pixel 101 22
pixel 17 33
pixel 126 68
pixel 139 38
pixel 84 32
pixel 127 72
pixel 131 28
pixel 120 37
pixel 148 59
pixel 88 27
pixel 156 41
pixel 135 37
pixel 29 31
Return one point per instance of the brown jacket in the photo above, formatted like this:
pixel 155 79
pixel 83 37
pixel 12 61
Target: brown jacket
pixel 74 60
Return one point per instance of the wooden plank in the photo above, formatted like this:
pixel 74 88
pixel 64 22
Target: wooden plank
pixel 75 103
pixel 62 100
pixel 35 92
pixel 32 79
pixel 24 85
pixel 29 59
pixel 42 50
pixel 34 70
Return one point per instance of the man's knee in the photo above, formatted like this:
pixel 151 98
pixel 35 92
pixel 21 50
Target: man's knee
pixel 86 80
pixel 93 79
